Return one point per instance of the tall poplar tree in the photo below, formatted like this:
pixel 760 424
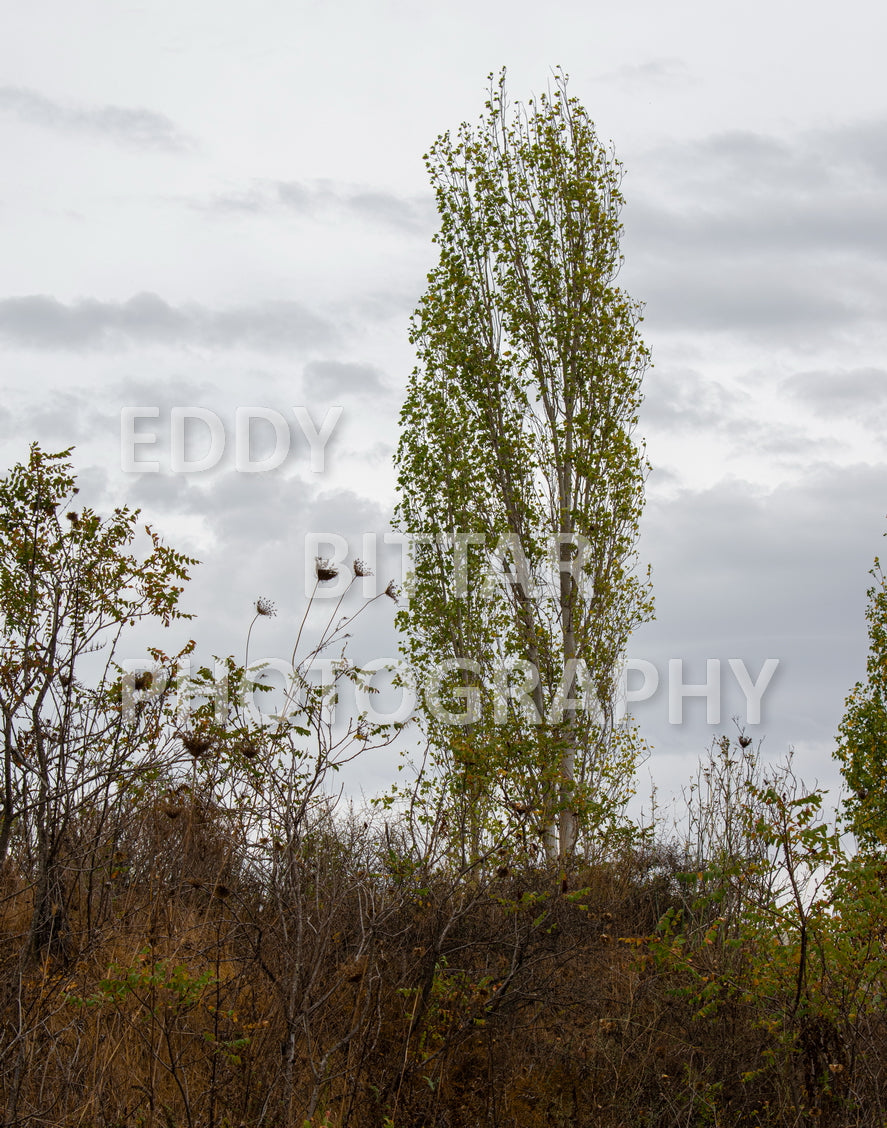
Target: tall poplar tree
pixel 520 479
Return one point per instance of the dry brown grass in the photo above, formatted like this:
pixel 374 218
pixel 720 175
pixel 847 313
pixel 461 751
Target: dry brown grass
pixel 210 982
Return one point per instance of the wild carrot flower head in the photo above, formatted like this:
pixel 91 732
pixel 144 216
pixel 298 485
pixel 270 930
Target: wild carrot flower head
pixel 195 743
pixel 265 607
pixel 325 569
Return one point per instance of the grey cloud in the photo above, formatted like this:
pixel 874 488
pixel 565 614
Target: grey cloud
pixel 60 418
pixel 80 413
pixel 795 301
pixel 653 70
pixel 838 221
pixel 380 453
pixel 761 236
pixel 323 197
pixel 243 202
pixel 258 524
pixel 165 391
pixel 858 393
pixel 683 399
pixel 254 518
pixel 756 299
pixel 791 446
pixel 662 480
pixel 139 128
pixel 336 378
pixel 73 414
pixel 39 321
pixel 298 197
pixel 248 515
pixel 860 148
pixel 162 493
pixel 740 572
pixel 751 161
pixel 389 208
pixel 384 302
pixel 852 154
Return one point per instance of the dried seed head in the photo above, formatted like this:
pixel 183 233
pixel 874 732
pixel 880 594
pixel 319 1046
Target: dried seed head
pixel 325 569
pixel 247 749
pixel 195 743
pixel 361 568
pixel 265 607
pixel 143 680
pixel 393 591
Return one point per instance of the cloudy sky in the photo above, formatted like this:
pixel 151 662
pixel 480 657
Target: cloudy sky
pixel 224 206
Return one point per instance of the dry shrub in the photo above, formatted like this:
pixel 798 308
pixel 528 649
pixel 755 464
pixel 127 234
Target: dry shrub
pixel 344 979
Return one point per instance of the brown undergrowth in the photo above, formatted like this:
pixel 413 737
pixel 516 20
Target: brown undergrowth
pixel 204 979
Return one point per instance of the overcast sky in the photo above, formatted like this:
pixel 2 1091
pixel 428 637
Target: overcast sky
pixel 224 205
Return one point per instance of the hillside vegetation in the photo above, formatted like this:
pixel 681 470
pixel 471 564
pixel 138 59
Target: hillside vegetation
pixel 193 931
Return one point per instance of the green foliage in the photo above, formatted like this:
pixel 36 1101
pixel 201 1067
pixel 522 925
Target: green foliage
pixel 179 986
pixel 70 584
pixel 518 430
pixel 785 938
pixel 71 572
pixel 862 736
